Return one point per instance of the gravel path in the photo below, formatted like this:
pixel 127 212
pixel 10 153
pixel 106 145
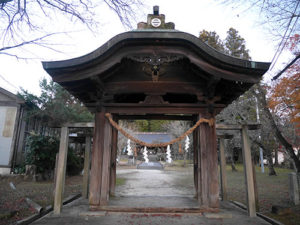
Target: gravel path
pixel 155 183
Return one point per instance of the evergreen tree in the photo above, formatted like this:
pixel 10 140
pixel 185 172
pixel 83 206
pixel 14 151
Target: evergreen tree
pixel 150 125
pixel 243 110
pixel 236 45
pixel 212 39
pixel 55 105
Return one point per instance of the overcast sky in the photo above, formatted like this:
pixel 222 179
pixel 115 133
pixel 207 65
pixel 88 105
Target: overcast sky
pixel 189 16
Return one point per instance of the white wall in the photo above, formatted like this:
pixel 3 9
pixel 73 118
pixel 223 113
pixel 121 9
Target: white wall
pixel 7 125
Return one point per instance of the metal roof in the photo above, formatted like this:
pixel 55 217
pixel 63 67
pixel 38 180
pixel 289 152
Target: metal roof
pixel 153 137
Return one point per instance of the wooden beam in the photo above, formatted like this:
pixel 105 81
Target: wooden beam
pixel 80 125
pixel 160 115
pixel 156 117
pixel 154 87
pixel 61 170
pixel 237 126
pixel 248 172
pixel 106 163
pixel 86 167
pixel 156 210
pixel 133 109
pixel 225 136
pixel 113 168
pixel 96 162
pixel 223 175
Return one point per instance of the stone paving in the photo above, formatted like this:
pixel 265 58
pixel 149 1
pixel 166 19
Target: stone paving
pixel 150 188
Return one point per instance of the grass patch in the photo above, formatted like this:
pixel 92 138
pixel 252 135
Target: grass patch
pixel 180 162
pixel 120 181
pixel 272 190
pixel 288 219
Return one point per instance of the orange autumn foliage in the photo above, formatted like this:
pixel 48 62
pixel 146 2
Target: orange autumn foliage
pixel 285 97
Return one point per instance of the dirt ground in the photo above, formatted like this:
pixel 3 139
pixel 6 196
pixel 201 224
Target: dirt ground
pixel 272 190
pixel 13 206
pixel 175 181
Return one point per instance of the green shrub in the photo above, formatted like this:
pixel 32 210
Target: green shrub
pixel 74 163
pixel 41 151
pixel 19 169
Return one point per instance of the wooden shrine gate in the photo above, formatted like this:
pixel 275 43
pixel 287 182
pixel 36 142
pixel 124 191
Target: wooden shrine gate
pixel 155 72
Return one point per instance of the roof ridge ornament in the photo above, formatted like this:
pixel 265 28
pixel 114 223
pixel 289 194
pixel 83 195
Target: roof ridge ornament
pixel 156 21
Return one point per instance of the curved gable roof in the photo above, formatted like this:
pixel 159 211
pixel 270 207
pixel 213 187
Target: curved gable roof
pixel 156 42
pixel 122 71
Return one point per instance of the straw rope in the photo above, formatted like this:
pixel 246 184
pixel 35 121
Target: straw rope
pixel 210 122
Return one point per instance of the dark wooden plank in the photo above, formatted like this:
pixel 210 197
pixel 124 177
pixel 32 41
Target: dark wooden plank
pixel 96 162
pixel 225 136
pixel 106 163
pixel 208 159
pixel 212 166
pixel 156 117
pixel 86 168
pixel 153 87
pixel 203 160
pixel 195 160
pixel 237 126
pixel 113 168
pixel 134 109
pixel 154 209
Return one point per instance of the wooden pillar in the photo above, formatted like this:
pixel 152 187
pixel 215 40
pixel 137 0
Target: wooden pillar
pixel 223 175
pixel 86 167
pixel 113 168
pixel 61 170
pixel 248 172
pixel 255 185
pixel 106 163
pixel 195 147
pixel 55 173
pixel 208 159
pixel 96 162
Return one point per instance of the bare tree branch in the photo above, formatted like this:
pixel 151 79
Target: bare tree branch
pixel 260 94
pixel 20 16
pixel 278 16
pixel 34 41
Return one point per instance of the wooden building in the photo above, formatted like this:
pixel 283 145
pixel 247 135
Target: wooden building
pixel 155 72
pixel 10 122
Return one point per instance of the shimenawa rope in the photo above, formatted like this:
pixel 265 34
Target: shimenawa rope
pixel 210 122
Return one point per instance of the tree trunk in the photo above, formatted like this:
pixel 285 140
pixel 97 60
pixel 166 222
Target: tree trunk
pixel 272 171
pixel 276 157
pixel 232 164
pixel 288 147
pixel 268 154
